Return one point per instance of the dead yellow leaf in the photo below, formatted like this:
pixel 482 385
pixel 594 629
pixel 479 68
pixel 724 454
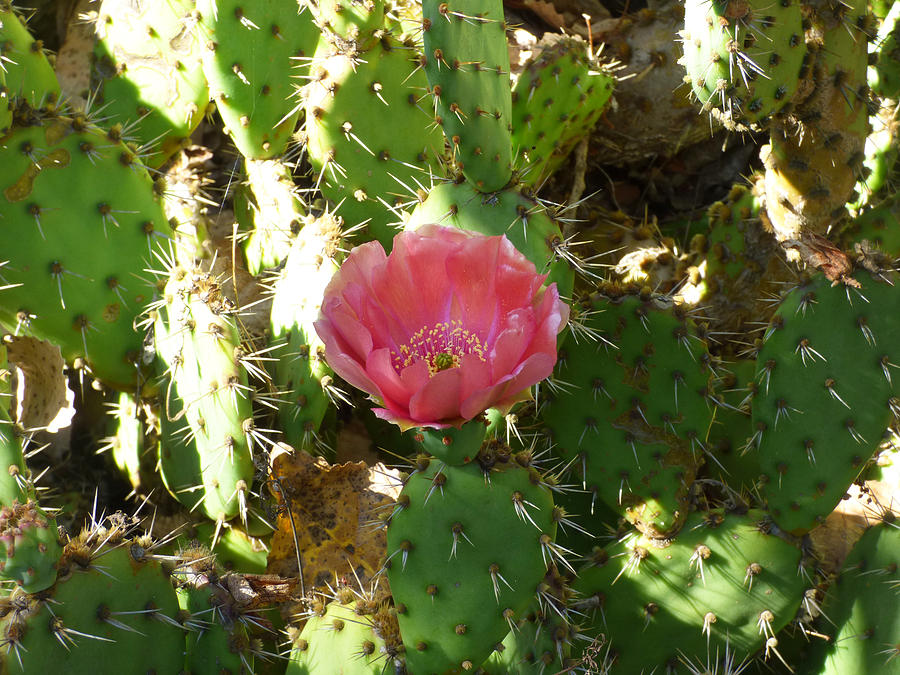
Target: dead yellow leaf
pixel 43 398
pixel 335 510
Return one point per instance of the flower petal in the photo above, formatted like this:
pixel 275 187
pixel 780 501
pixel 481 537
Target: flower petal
pixel 391 390
pixel 439 399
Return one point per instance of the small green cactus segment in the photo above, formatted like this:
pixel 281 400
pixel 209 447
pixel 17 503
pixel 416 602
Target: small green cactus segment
pixel 248 61
pixel 348 19
pixel 879 225
pixel 810 177
pixel 723 586
pixel 542 641
pixel 740 262
pixel 198 340
pixel 881 152
pixel 726 240
pixel 825 386
pixel 30 79
pixel 299 370
pixel 862 604
pixel 467 64
pixel 633 413
pixel 524 221
pixel 67 191
pixel 556 100
pixel 366 166
pixel 126 440
pixel 148 61
pixel 453 446
pixel 112 605
pixel 29 546
pixel 217 640
pixel 884 74
pixel 355 637
pixel 457 585
pixel 273 211
pixel 744 58
pixel 14 484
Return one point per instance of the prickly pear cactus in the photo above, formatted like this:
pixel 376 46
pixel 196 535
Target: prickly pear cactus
pixel 557 98
pixel 67 191
pixel 829 354
pixel 861 606
pixel 148 64
pixel 114 603
pixel 630 413
pixel 718 591
pixel 300 370
pixel 810 176
pixel 467 64
pixel 645 508
pixel 199 342
pixel 744 59
pixel 458 587
pixel 30 546
pixel 366 168
pixel 29 76
pixel 350 635
pixel 247 60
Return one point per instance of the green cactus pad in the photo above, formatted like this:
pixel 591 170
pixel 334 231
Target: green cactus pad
pixel 118 607
pixel 148 61
pixel 810 176
pixel 126 440
pixel 458 585
pixel 354 20
pixel 355 637
pixel 632 409
pixel 271 211
pixel 826 375
pixel 250 52
pixel 29 546
pixel 198 339
pixel 218 641
pixel 30 79
pixel 743 57
pixel 720 590
pixel 82 222
pixel 542 642
pixel 524 221
pixel 556 100
pixel 862 608
pixel 14 479
pixel 467 64
pixel 884 74
pixel 367 167
pixel 732 462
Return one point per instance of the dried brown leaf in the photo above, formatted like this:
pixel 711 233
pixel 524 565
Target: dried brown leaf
pixel 333 508
pixel 43 399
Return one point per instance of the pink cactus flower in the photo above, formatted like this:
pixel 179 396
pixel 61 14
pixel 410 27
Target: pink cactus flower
pixel 451 323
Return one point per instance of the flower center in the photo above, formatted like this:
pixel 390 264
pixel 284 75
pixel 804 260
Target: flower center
pixel 441 346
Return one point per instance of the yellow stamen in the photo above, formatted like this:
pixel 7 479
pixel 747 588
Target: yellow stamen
pixel 441 346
